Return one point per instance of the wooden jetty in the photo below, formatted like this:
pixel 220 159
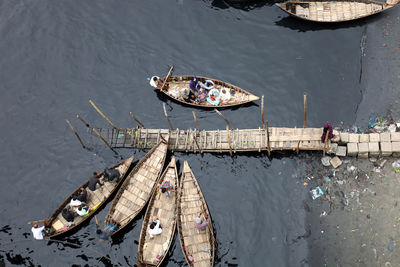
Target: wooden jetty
pixel 232 141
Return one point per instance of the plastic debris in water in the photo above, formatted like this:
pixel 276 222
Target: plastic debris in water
pixel 316 192
pixel 391 244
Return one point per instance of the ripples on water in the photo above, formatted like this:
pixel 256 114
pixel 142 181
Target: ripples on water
pixel 55 55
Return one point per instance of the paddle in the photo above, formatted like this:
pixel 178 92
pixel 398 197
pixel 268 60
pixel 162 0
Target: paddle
pixel 37 221
pixel 209 226
pixel 166 78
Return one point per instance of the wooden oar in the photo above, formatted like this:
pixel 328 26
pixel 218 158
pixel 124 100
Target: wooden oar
pixel 37 221
pixel 97 222
pixel 209 226
pixel 166 78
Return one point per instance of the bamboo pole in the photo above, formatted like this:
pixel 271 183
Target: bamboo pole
pixel 83 121
pixel 195 140
pixel 76 134
pixel 195 119
pixel 97 133
pixel 268 144
pixel 102 138
pixel 262 111
pixel 166 115
pixel 166 78
pixel 229 140
pixel 325 142
pixel 305 110
pixel 101 113
pixel 222 116
pixel 38 221
pixel 141 124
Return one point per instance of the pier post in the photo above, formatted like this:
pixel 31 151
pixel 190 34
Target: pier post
pixel 76 134
pixel 268 144
pixel 101 113
pixel 229 140
pixel 262 111
pixel 141 124
pixel 305 110
pixel 166 115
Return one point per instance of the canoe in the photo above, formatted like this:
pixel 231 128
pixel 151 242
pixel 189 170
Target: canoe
pixel 151 252
pixel 137 188
pixel 233 96
pixel 197 245
pixel 59 226
pixel 333 11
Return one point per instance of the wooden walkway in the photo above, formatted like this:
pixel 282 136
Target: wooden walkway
pixel 239 140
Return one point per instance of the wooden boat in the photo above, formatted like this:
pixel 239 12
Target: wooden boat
pixel 333 11
pixel 56 222
pixel 197 245
pixel 151 252
pixel 137 187
pixel 233 96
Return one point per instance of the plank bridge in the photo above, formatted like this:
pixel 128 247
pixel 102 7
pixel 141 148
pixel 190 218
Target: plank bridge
pixel 229 140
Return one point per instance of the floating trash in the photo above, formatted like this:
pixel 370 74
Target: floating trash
pixel 326 161
pixel 316 192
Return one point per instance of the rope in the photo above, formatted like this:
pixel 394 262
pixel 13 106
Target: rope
pixel 62 242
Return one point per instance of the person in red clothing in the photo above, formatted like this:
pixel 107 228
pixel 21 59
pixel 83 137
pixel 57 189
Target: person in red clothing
pixel 327 129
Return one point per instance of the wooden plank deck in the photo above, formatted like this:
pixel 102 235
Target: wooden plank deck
pixel 241 140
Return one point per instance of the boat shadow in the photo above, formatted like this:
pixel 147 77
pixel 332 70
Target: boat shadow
pixel 244 5
pixel 306 25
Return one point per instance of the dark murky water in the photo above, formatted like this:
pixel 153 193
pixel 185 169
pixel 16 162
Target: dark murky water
pixel 56 55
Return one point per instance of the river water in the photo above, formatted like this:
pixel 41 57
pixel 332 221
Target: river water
pixel 56 55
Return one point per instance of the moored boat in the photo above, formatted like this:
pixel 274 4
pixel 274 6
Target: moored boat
pixel 211 93
pixel 152 251
pixel 333 11
pixel 198 246
pixel 58 225
pixel 137 188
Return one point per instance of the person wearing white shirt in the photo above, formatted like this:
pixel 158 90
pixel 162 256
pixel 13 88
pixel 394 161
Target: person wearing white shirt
pixel 37 232
pixel 155 228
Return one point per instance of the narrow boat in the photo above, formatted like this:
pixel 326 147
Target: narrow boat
pixel 198 246
pixel 57 225
pixel 137 188
pixel 151 252
pixel 217 94
pixel 333 11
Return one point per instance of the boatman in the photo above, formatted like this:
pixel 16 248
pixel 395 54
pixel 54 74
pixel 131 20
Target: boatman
pixel 37 231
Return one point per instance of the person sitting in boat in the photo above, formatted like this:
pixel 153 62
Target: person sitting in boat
pixel 327 127
pixel 165 188
pixel 83 194
pixel 68 214
pixel 201 95
pixel 213 97
pixel 200 224
pixel 225 96
pixel 208 85
pixel 188 95
pixel 155 228
pixel 37 231
pixel 94 181
pixel 83 210
pixel 75 202
pixel 154 81
pixel 111 175
pixel 193 84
